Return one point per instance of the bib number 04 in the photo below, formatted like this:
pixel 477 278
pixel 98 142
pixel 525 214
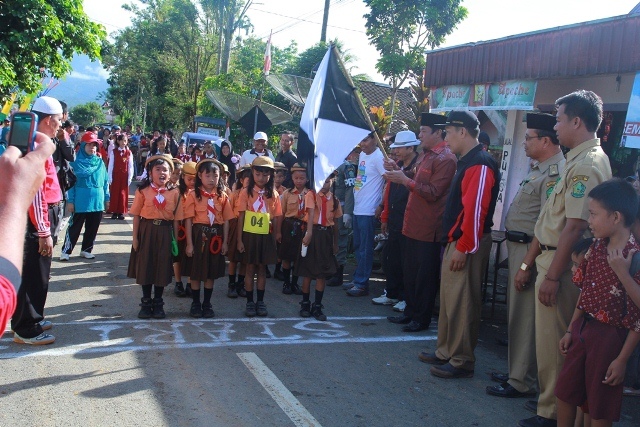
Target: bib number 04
pixel 256 222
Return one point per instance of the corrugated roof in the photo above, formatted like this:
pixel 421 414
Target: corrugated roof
pixel 606 46
pixel 377 93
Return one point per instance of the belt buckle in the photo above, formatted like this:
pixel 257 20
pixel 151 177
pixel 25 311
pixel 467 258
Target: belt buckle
pixel 157 222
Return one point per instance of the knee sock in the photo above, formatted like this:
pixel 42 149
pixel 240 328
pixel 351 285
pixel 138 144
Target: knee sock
pixel 207 296
pixel 279 266
pixel 195 294
pixel 260 294
pixel 146 291
pixel 319 295
pixel 241 279
pixel 250 296
pixel 158 291
pixel 305 296
pixel 287 275
pixel 294 280
pixel 232 278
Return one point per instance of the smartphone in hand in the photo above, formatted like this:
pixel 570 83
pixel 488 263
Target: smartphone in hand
pixel 22 130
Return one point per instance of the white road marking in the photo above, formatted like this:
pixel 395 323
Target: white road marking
pixel 283 397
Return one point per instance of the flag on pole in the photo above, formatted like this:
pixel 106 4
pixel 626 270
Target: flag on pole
pixel 267 56
pixel 332 122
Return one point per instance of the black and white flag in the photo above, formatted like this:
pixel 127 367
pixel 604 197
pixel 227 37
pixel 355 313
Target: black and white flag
pixel 332 122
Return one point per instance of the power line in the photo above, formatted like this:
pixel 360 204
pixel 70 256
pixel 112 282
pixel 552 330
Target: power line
pixel 304 20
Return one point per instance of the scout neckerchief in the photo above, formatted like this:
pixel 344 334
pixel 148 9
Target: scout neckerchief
pixel 260 204
pixel 300 195
pixel 211 210
pixel 322 219
pixel 159 201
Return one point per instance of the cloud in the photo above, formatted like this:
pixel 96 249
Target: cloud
pixel 93 72
pixel 78 75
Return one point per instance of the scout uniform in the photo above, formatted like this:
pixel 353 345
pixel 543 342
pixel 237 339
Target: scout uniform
pixel 209 213
pixel 157 209
pixel 293 225
pixel 587 166
pixel 184 261
pixel 319 261
pixel 521 218
pixel 343 190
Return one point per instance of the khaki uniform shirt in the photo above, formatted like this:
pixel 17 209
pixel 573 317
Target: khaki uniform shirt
pixel 587 166
pixel 533 193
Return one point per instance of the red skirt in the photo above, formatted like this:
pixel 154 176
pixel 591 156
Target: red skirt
pixel 206 265
pixel 119 190
pixel 320 263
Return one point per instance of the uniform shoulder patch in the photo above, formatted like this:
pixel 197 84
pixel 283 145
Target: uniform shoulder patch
pixel 550 186
pixel 578 188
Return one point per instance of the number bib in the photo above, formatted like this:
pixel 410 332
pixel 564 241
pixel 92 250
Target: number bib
pixel 256 222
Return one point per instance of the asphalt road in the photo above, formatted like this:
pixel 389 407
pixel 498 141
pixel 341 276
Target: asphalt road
pixel 109 368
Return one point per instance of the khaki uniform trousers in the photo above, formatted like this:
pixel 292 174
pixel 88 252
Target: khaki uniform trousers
pixel 551 325
pixel 521 305
pixel 461 306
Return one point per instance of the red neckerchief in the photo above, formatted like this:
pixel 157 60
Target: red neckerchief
pixel 159 200
pixel 322 218
pixel 211 210
pixel 260 204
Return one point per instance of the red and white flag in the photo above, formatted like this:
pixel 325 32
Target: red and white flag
pixel 267 57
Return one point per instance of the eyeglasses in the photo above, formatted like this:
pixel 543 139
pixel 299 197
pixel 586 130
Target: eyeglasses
pixel 527 137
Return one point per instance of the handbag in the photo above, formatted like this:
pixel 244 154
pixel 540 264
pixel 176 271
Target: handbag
pixel 66 176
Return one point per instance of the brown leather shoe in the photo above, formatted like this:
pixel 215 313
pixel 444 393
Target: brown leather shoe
pixel 448 371
pixel 431 358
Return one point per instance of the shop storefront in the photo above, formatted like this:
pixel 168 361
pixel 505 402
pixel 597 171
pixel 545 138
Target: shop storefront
pixel 501 80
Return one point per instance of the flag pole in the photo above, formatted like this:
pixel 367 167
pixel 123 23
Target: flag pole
pixel 364 110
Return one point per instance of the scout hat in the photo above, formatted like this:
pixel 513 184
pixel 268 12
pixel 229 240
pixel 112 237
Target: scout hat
pixel 298 167
pixel 279 166
pixel 405 138
pixel 430 119
pixel 263 162
pixel 541 121
pixel 164 157
pixel 242 169
pixel 177 162
pixel 460 118
pixel 189 168
pixel 47 105
pixel 209 161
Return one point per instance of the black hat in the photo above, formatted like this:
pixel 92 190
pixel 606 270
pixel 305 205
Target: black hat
pixel 462 118
pixel 430 119
pixel 541 121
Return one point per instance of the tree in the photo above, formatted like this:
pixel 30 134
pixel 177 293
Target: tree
pixel 231 16
pixel 87 114
pixel 402 29
pixel 38 36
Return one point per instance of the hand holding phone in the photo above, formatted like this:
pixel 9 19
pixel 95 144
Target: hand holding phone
pixel 22 131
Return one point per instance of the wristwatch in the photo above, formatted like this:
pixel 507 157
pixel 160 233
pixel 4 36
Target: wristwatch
pixel 524 266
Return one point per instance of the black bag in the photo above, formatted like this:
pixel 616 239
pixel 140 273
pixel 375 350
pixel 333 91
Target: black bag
pixel 66 177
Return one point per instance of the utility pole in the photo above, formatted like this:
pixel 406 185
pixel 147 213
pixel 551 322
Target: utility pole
pixel 325 19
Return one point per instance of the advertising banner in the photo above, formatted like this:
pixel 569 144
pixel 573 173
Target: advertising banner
pixel 631 131
pixel 447 98
pixel 506 95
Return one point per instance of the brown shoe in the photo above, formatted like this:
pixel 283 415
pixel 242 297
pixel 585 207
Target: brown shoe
pixel 431 358
pixel 448 371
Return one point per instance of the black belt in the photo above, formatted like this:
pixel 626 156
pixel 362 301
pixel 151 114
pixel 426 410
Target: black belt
pixel 158 221
pixel 293 219
pixel 321 227
pixel 214 229
pixel 547 248
pixel 518 236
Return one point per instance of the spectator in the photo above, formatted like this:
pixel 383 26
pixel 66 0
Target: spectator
pixel 287 156
pixel 483 138
pixel 120 176
pixel 259 149
pixel 229 158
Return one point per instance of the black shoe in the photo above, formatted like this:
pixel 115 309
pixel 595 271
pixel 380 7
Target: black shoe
pixel 261 309
pixel 305 308
pixel 316 311
pixel 240 290
pixel 286 288
pixel 207 311
pixel 414 326
pixel 266 267
pixel 447 371
pixel 537 421
pixel 196 310
pixel 231 291
pixel 114 216
pixel 399 320
pixel 296 289
pixel 178 289
pixel 531 406
pixel 499 378
pixel 337 279
pixel 431 358
pixel 158 311
pixel 120 216
pixel 146 308
pixel 187 291
pixel 506 390
pixel 250 309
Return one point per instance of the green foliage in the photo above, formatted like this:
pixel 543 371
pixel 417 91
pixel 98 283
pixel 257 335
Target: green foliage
pixel 87 114
pixel 421 105
pixel 38 36
pixel 402 29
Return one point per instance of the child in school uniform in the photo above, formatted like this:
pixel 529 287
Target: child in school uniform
pixel 174 179
pixel 321 240
pixel 207 214
pixel 154 210
pixel 120 175
pixel 236 288
pixel 258 229
pixel 293 227
pixel 181 262
pixel 605 327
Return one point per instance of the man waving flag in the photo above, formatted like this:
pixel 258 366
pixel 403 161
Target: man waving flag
pixel 332 121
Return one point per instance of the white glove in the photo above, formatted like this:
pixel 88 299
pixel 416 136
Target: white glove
pixel 346 220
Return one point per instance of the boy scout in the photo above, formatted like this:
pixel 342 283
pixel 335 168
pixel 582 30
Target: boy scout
pixel 562 222
pixel 542 146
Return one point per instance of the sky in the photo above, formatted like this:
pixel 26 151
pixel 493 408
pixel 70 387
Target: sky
pixel 301 20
